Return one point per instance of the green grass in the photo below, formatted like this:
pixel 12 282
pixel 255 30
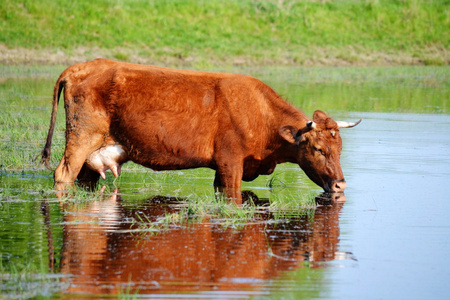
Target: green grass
pixel 205 33
pixel 23 122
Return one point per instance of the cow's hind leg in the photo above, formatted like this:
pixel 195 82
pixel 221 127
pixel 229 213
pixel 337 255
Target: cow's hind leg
pixel 73 160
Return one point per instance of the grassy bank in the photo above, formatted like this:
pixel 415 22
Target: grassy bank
pixel 204 33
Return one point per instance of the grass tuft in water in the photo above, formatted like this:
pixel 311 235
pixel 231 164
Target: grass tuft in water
pixel 127 293
pixel 219 210
pixel 75 193
pixel 274 181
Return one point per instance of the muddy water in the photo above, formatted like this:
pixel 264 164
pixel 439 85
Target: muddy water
pixel 388 240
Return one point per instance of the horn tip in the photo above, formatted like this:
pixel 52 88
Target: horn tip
pixel 342 124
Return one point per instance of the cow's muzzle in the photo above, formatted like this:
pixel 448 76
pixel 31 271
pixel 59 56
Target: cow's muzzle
pixel 337 186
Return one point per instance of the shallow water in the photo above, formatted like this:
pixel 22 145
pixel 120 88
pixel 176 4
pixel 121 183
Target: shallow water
pixel 397 220
pixel 389 240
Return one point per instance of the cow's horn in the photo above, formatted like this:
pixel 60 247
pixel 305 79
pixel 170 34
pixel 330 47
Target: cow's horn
pixel 311 124
pixel 343 124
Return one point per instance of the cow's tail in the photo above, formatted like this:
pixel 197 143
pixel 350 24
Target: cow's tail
pixel 45 155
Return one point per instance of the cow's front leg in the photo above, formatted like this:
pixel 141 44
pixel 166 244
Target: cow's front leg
pixel 228 182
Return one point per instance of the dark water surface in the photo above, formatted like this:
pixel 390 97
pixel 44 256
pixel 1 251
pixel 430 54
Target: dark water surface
pixel 390 239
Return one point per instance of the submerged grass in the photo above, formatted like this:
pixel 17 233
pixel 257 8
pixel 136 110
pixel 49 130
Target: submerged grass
pixel 198 210
pixel 226 213
pixel 28 281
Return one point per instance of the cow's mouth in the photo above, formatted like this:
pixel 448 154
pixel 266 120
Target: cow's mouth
pixel 335 186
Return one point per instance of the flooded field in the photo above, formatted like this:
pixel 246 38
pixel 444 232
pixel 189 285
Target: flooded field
pixel 166 235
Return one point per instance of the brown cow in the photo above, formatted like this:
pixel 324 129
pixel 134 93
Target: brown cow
pixel 168 119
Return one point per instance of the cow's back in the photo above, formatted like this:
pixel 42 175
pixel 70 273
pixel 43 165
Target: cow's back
pixel 171 119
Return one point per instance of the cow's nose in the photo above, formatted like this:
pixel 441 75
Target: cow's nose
pixel 338 186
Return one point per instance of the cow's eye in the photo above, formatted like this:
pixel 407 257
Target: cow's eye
pixel 319 150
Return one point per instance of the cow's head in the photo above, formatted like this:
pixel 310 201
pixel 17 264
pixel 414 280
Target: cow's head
pixel 318 149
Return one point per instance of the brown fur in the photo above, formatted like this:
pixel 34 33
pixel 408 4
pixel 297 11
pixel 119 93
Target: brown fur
pixel 169 119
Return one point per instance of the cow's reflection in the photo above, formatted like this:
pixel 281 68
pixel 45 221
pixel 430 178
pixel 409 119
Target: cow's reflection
pixel 101 252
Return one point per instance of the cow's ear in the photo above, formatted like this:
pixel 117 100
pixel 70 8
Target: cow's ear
pixel 319 116
pixel 289 133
